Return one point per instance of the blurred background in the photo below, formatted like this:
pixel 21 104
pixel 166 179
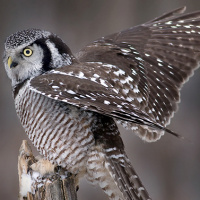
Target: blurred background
pixel 169 168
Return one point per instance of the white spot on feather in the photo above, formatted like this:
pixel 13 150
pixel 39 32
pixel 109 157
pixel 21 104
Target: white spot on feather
pixel 106 102
pixel 58 72
pixel 81 75
pixel 129 79
pixel 96 75
pixel 139 58
pixel 133 72
pixel 103 82
pixel 174 27
pixel 100 63
pixel 187 26
pixel 109 65
pixel 126 50
pixel 169 22
pixel 117 156
pixel 188 32
pixel 139 99
pixel 119 72
pixel 55 87
pixel 169 66
pixel 157 79
pixel 135 90
pixel 131 47
pixel 111 149
pixel 70 92
pixel 125 91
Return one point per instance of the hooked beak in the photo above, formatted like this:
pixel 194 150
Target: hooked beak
pixel 11 64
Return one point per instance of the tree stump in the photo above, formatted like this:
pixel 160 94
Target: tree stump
pixel 40 180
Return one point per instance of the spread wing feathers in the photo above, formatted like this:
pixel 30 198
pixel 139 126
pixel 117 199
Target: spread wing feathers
pixel 133 75
pixel 162 53
pixel 92 86
pixel 124 175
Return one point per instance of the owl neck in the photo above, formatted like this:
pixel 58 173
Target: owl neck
pixel 17 87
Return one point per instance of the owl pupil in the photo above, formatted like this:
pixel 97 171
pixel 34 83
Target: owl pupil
pixel 28 52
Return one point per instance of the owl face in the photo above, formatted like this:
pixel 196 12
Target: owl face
pixel 23 62
pixel 32 52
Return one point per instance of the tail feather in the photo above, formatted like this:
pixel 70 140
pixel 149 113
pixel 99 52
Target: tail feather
pixel 125 177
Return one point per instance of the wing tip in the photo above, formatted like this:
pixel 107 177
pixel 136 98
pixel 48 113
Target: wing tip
pixel 166 15
pixel 174 133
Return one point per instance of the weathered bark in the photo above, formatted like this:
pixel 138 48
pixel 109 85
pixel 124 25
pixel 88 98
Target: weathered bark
pixel 40 180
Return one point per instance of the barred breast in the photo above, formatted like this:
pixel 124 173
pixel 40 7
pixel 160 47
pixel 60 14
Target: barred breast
pixel 59 131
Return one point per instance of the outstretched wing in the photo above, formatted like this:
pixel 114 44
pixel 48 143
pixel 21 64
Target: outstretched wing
pixel 92 86
pixel 163 53
pixel 134 75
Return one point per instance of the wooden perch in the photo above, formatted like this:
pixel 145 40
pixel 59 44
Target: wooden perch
pixel 40 180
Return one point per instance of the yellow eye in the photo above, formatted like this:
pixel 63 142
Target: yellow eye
pixel 27 52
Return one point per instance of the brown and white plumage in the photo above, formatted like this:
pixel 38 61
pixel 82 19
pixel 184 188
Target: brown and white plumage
pixel 67 105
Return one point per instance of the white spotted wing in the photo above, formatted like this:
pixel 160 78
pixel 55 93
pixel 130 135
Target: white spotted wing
pixel 134 75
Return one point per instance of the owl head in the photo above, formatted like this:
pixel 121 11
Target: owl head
pixel 31 52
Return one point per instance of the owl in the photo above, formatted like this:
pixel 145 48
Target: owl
pixel 70 105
